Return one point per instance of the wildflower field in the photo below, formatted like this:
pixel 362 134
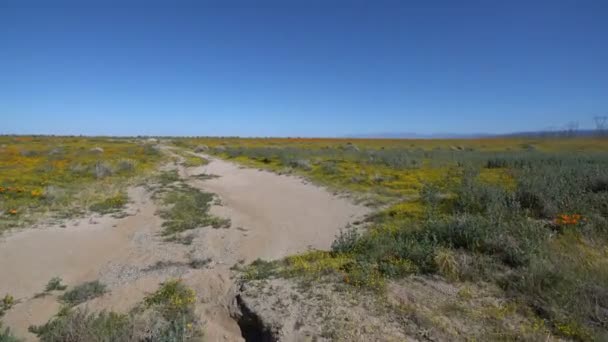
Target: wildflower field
pixel 66 176
pixel 529 215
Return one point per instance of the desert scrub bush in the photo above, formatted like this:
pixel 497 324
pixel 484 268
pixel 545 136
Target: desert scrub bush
pixel 167 177
pixel 345 241
pixel 102 170
pixel 110 205
pixel 299 164
pixel 79 325
pixel 165 315
pixel 168 314
pixel 83 292
pixel 260 269
pixel 188 208
pixel 6 304
pixel 55 284
pixel 173 296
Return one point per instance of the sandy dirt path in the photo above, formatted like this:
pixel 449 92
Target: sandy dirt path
pixel 272 216
pixel 280 215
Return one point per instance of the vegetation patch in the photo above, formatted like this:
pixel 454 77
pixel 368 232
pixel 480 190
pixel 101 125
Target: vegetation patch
pixel 167 177
pixel 65 175
pixel 111 204
pixel 165 315
pixel 6 304
pixel 83 292
pixel 55 284
pixel 191 160
pixel 188 208
pixel 532 221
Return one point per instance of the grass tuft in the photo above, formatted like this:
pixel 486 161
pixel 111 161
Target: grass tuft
pixel 165 315
pixel 111 204
pixel 55 285
pixel 83 292
pixel 188 208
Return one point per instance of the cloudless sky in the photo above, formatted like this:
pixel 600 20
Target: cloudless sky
pixel 300 68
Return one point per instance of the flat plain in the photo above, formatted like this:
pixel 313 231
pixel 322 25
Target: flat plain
pixel 293 239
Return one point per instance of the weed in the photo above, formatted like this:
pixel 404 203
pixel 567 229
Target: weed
pixel 346 241
pixel 173 296
pixel 55 285
pixel 167 177
pixel 193 161
pixel 260 269
pixel 81 325
pixel 83 292
pixel 6 304
pixel 111 204
pixel 188 208
pixel 446 263
pixel 165 315
pixel 199 263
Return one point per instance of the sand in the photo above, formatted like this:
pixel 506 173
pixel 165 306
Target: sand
pixel 271 215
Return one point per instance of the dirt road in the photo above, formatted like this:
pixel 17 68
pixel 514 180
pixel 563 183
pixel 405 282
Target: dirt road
pixel 272 216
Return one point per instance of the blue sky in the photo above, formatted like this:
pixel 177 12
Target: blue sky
pixel 301 68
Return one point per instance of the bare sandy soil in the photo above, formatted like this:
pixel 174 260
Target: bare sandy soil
pixel 272 216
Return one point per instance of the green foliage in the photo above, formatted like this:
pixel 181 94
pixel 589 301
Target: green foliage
pixel 260 269
pixel 174 296
pixel 81 325
pixel 83 292
pixel 191 160
pixel 55 285
pixel 488 216
pixel 167 177
pixel 188 208
pixel 8 301
pixel 173 305
pixel 110 205
pixel 165 315
pixel 346 241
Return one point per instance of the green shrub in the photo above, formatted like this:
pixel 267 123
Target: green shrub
pixel 173 306
pixel 188 208
pixel 165 315
pixel 80 326
pixel 83 292
pixel 54 284
pixel 346 241
pixel 7 302
pixel 110 205
pixel 260 269
pixel 167 177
